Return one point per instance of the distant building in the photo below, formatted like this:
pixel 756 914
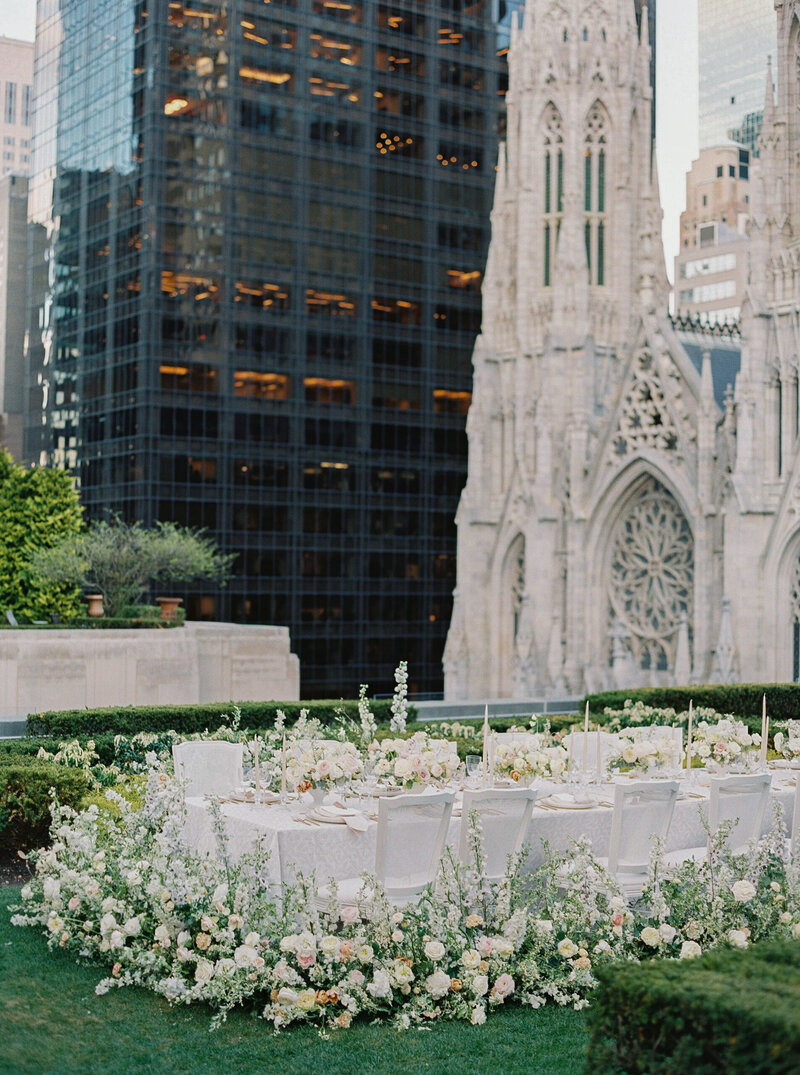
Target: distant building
pixel 711 267
pixel 735 39
pixel 16 87
pixel 13 239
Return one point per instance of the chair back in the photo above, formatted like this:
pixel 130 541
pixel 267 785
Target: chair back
pixel 412 830
pixel 642 809
pixel 583 742
pixel 794 839
pixel 519 738
pixel 504 815
pixel 740 798
pixel 208 767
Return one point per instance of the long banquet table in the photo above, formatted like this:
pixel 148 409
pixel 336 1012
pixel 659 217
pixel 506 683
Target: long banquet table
pixel 334 850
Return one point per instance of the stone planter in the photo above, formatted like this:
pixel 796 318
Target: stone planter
pixel 169 607
pixel 94 602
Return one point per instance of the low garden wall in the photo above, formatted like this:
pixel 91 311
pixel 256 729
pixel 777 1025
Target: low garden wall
pixel 199 662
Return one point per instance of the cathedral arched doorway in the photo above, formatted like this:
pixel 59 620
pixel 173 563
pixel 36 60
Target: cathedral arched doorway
pixel 650 579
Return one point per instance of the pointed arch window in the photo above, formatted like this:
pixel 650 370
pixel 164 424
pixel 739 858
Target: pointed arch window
pixel 594 193
pixel 553 189
pixel 795 613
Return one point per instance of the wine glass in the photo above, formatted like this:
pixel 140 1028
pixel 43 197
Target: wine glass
pixel 474 764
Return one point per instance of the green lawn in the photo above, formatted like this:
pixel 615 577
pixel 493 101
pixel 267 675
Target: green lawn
pixel 52 1022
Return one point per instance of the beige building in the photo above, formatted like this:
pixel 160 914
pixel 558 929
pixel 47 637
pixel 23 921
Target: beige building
pixel 16 97
pixel 711 268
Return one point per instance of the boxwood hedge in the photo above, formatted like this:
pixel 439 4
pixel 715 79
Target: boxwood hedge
pixel 741 699
pixel 25 784
pixel 128 720
pixel 726 1013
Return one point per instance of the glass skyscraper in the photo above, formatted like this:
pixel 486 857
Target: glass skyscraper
pixel 735 38
pixel 258 231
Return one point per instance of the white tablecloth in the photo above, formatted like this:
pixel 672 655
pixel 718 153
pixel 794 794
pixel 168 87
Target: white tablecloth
pixel 336 851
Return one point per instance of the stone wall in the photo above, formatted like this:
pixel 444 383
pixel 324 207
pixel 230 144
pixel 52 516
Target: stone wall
pixel 199 662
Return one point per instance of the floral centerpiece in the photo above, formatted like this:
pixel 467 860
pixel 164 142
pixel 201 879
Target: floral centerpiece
pixel 789 744
pixel 646 754
pixel 726 743
pixel 320 763
pixel 529 756
pixel 417 760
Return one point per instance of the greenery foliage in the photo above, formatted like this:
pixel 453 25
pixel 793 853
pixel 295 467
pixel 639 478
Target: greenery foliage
pixel 38 507
pixel 743 700
pixel 129 720
pixel 25 784
pixel 730 1012
pixel 121 559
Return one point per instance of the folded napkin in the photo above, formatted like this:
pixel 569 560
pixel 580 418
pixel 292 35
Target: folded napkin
pixel 357 822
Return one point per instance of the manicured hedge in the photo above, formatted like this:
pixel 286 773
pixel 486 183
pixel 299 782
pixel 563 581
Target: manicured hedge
pixel 25 784
pixel 129 720
pixel 741 699
pixel 28 747
pixel 727 1013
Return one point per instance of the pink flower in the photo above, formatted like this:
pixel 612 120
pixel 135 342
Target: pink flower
pixel 307 959
pixel 345 951
pixel 349 916
pixel 74 903
pixel 484 946
pixel 323 768
pixel 617 919
pixel 504 986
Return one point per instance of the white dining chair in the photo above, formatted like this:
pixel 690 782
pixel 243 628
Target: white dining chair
pixel 587 741
pixel 656 731
pixel 525 737
pixel 208 767
pixel 642 809
pixel 504 815
pixel 412 831
pixel 740 798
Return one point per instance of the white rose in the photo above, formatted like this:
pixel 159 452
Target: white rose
pixel 785 917
pixel 184 937
pixel 403 974
pixel 225 966
pixel 438 984
pixel 651 937
pixel 51 888
pixel 480 985
pixel 690 949
pixel 287 996
pixel 183 953
pixel 435 950
pixel 743 891
pixel 133 877
pixel 470 958
pixel 204 971
pixel 117 939
pixel 693 929
pixel 478 1015
pixel 365 953
pixel 107 923
pixel 543 926
pixel 330 946
pixel 567 948
pixel 738 938
pixel 162 936
pixel 207 923
pixel 252 939
pixel 667 932
pixel 26 892
pixel 132 926
pixel 287 943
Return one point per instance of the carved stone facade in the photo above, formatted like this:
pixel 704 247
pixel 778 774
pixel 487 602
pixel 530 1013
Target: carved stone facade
pixel 622 522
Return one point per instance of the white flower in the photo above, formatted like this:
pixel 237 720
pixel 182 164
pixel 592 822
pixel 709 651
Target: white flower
pixel 26 892
pixel 245 955
pixel 785 917
pixel 207 923
pixel 184 937
pixel 163 937
pixel 381 986
pixel 365 953
pixel 397 936
pixel 690 949
pixel 183 953
pixel 738 938
pixel 402 973
pixel 504 986
pixel 503 947
pixel 349 916
pixel 796 931
pixel 480 985
pixel 117 939
pixel 667 932
pixel 478 1015
pixel 435 950
pixel 287 996
pixel 225 966
pixel 204 971
pixel 438 984
pixel 567 948
pixel 107 923
pixel 132 926
pixel 330 946
pixel 470 958
pixel 743 891
pixel 543 926
pixel 51 888
pixel 252 939
pixel 651 937
pixel 693 929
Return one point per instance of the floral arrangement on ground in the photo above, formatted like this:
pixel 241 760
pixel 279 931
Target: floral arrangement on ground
pixel 123 889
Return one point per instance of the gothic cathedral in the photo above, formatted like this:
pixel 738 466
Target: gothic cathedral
pixel 628 519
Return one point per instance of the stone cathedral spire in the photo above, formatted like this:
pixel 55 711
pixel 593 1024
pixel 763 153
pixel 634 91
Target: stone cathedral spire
pixel 583 432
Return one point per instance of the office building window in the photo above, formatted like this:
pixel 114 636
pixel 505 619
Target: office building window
pixel 10 103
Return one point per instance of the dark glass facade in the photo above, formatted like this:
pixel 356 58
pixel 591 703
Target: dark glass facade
pixel 260 235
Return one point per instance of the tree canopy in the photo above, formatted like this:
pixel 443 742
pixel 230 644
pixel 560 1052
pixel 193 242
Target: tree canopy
pixel 120 560
pixel 38 508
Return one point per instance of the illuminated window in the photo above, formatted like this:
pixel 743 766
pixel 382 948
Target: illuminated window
pixel 188 286
pixel 337 89
pixel 261 76
pixel 449 402
pixel 330 304
pixel 191 377
pixel 323 390
pixel 274 296
pixel 400 60
pixel 329 47
pixel 465 280
pixel 338 9
pixel 255 385
pixel 399 310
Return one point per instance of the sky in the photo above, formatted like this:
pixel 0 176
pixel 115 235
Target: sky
pixel 676 92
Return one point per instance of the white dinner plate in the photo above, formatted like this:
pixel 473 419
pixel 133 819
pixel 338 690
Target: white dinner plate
pixel 559 803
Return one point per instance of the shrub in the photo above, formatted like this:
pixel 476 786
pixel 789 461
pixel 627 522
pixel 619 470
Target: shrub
pixel 25 784
pixel 741 699
pixel 727 1013
pixel 129 720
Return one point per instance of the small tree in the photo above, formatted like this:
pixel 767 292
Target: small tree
pixel 121 559
pixel 38 508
